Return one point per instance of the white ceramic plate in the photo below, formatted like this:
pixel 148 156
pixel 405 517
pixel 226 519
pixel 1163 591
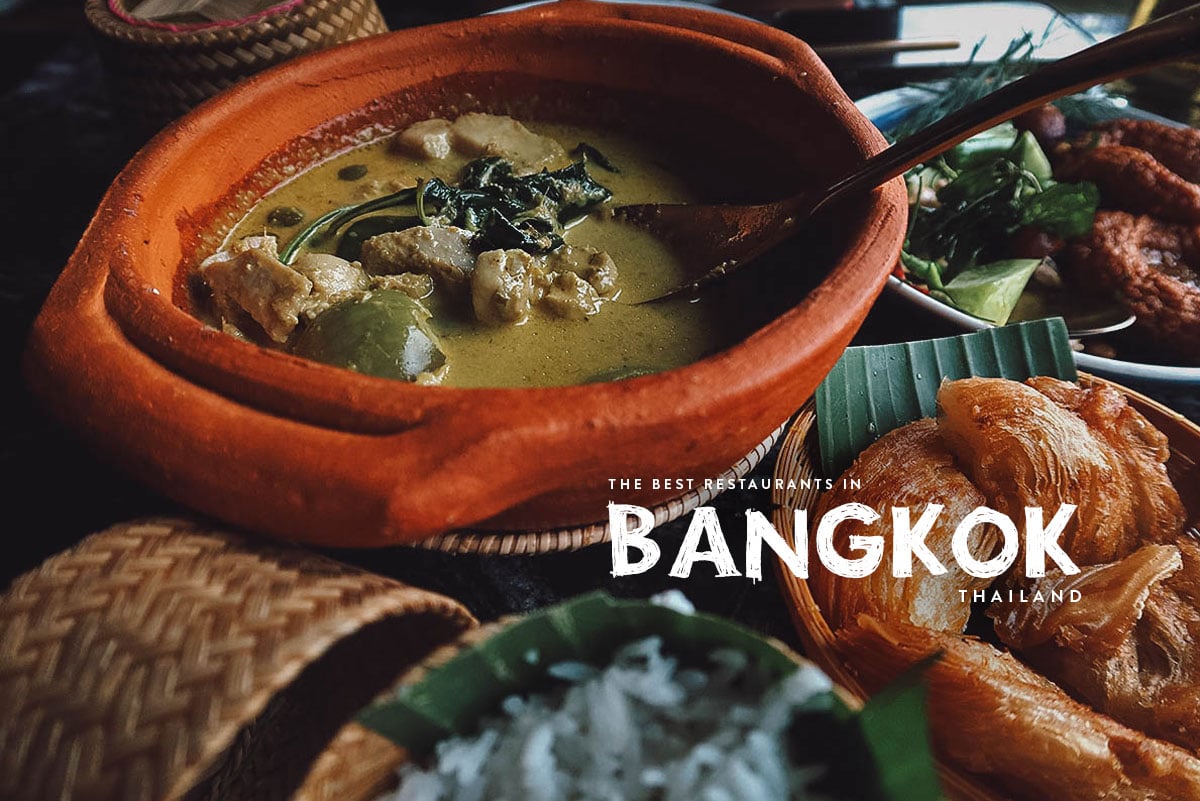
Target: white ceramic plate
pixel 886 110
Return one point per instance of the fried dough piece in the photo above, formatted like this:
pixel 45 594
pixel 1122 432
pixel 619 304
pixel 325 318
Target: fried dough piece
pixel 1127 647
pixel 1112 599
pixel 1168 657
pixel 1178 148
pixel 907 467
pixel 993 717
pixel 1153 269
pixel 1022 449
pixel 1133 180
pixel 1186 583
pixel 1142 449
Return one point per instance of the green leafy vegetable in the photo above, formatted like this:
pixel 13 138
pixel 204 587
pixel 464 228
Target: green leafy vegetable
pixel 975 80
pixel 970 83
pixel 529 212
pixel 1064 210
pixel 978 211
pixel 991 185
pixel 589 154
pixel 981 207
pixel 959 246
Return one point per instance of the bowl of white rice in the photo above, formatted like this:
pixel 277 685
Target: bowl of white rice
pixel 610 700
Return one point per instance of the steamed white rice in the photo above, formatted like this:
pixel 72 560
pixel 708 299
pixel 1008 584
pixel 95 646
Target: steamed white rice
pixel 643 729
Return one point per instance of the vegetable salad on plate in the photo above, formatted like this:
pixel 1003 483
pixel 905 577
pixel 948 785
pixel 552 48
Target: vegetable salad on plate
pixel 978 214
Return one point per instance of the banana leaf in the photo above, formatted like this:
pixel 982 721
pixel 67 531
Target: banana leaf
pixel 877 388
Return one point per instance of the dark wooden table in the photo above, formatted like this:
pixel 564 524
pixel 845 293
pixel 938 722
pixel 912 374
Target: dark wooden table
pixel 61 147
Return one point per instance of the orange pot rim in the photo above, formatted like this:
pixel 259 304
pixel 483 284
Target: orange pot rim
pixel 105 290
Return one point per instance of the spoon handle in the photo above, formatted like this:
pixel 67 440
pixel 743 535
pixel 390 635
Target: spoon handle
pixel 1170 38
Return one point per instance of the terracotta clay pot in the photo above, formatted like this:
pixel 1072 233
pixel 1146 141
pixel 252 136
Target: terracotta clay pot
pixel 310 452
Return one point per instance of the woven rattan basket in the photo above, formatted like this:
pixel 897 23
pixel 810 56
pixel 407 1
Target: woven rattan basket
pixel 157 72
pixel 512 543
pixel 163 660
pixel 799 460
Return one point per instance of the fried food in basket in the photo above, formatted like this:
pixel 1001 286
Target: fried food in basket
pixel 1008 445
pixel 1141 448
pixel 1096 692
pixel 1022 449
pixel 907 467
pixel 1126 646
pixel 1153 269
pixel 1112 598
pixel 997 718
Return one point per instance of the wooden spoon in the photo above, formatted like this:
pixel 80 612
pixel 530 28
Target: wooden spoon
pixel 713 241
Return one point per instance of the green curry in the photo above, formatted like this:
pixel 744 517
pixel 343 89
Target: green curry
pixel 473 252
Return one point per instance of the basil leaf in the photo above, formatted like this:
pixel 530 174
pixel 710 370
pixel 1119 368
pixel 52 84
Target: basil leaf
pixel 1065 210
pixel 525 212
pixel 587 153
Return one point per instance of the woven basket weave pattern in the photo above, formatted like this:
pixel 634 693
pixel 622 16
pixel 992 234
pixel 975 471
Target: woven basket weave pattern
pixel 359 764
pixel 157 74
pixel 577 537
pixel 129 664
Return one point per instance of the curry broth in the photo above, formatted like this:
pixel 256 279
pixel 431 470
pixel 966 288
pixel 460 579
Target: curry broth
pixel 619 341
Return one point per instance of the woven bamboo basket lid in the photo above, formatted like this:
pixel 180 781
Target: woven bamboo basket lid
pixel 158 71
pixel 799 461
pixel 164 660
pixel 515 543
